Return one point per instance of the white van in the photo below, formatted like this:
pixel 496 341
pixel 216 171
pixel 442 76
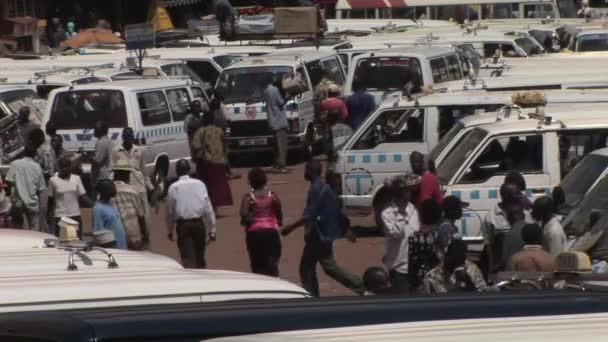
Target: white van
pixel 243 85
pixel 155 109
pixel 558 328
pixel 380 148
pixel 473 164
pixel 384 73
pixel 129 287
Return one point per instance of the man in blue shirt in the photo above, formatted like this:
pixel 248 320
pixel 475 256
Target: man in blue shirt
pixel 105 216
pixel 322 220
pixel 360 105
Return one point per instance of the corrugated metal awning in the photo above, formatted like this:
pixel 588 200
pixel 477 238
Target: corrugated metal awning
pixel 360 4
pixel 175 3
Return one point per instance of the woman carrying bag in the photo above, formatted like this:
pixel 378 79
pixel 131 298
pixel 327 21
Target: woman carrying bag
pixel 261 215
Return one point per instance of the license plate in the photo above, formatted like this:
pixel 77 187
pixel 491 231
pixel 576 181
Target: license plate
pixel 253 142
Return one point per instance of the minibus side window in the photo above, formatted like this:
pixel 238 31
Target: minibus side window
pixel 179 102
pixel 393 126
pixel 333 70
pixel 575 145
pixel 450 115
pixel 454 71
pixel 153 108
pixel 439 69
pixel 504 154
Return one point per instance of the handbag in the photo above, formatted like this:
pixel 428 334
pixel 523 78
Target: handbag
pixel 247 220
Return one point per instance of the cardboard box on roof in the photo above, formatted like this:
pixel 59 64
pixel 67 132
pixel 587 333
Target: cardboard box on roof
pixel 290 20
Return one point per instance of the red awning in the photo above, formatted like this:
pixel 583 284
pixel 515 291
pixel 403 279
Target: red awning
pixel 396 3
pixel 367 4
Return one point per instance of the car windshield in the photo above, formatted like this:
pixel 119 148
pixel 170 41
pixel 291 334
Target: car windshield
pixel 387 73
pixel 459 154
pixel 443 143
pixel 225 60
pixel 596 200
pixel 82 108
pixel 248 84
pixel 528 46
pixel 181 70
pixel 593 42
pixel 581 178
pixel 16 99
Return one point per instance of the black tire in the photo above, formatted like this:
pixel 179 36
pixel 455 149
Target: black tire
pixel 381 201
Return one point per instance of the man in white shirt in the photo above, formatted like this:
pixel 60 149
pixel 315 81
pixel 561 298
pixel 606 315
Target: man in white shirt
pixel 400 220
pixel 554 238
pixel 189 211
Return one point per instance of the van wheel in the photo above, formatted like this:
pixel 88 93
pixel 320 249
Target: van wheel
pixel 380 203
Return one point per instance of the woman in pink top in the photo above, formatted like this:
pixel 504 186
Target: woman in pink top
pixel 261 215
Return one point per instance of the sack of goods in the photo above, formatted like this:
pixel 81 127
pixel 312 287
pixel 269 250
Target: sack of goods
pixel 293 84
pixel 529 99
pixel 255 24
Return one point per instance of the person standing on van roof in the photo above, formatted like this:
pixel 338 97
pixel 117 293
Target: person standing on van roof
pixel 277 120
pixel 400 221
pixel 532 257
pixel 360 105
pixel 225 13
pixel 130 205
pixel 554 238
pixel 189 212
pixel 66 192
pixel 106 216
pixel 210 158
pixel 262 215
pixel 429 183
pixel 322 219
pixel 333 103
pixel 101 163
pixel 25 183
pixel 25 123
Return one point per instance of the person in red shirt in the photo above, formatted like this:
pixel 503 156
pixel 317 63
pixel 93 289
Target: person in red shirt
pixel 333 102
pixel 429 184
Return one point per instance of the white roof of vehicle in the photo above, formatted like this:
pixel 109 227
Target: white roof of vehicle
pixel 559 328
pixel 5 88
pixel 570 118
pixel 414 51
pixel 131 85
pixel 601 152
pixel 16 239
pixel 120 287
pixel 281 57
pixel 472 97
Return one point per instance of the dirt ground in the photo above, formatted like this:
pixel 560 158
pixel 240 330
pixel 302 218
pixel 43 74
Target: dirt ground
pixel 229 251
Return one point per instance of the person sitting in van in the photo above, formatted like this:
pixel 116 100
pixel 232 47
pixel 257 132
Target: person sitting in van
pixel 376 281
pixel 531 257
pixel 429 183
pixel 106 216
pixel 400 221
pixel 360 105
pixel 455 273
pixel 333 103
pixel 554 238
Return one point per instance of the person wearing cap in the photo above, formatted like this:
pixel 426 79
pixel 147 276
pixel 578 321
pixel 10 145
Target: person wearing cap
pixel 130 154
pixel 400 221
pixel 429 183
pixel 130 205
pixel 190 213
pixel 452 211
pixel 66 194
pixel 333 103
pixel 105 215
